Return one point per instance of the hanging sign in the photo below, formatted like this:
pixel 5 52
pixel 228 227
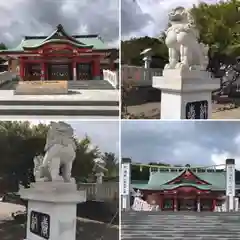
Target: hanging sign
pixel 125 177
pixel 230 181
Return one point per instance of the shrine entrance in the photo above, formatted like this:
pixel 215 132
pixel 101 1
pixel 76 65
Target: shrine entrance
pixel 33 72
pixel 60 72
pixel 187 204
pixel 84 71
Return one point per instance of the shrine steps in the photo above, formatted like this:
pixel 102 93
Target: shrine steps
pixel 90 84
pixel 62 108
pixel 180 225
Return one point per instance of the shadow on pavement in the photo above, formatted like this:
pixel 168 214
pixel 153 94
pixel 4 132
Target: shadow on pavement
pixel 11 230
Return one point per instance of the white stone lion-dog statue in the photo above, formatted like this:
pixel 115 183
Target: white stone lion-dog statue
pixel 182 40
pixel 60 151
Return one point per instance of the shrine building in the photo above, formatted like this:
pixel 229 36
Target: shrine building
pixel 186 189
pixel 60 56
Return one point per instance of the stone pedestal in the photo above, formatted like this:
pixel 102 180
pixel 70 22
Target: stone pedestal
pixel 99 177
pixel 186 94
pixel 51 212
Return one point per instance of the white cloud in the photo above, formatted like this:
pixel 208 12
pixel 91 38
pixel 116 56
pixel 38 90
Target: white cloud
pixel 29 17
pixel 158 11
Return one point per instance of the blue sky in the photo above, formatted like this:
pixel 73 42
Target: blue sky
pixel 104 134
pixel 197 143
pixel 149 17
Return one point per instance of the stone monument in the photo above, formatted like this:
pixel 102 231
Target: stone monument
pixel 52 199
pixel 186 86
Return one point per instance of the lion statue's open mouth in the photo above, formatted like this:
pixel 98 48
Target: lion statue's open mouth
pixel 178 14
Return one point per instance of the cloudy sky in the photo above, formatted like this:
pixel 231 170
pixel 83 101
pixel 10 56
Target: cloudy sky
pixel 149 17
pixel 197 143
pixel 103 134
pixel 39 17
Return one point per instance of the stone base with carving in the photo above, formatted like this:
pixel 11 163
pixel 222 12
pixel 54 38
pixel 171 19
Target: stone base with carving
pixel 186 94
pixel 41 88
pixel 52 208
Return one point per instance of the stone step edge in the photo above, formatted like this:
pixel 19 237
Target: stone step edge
pixel 59 103
pixel 60 112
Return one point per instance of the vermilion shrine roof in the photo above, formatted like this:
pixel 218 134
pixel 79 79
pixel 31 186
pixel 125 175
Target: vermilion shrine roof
pixel 60 36
pixel 167 180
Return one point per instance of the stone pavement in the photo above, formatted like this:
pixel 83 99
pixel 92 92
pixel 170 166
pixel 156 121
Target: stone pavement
pixel 152 111
pixel 86 229
pixel 180 225
pixel 7 208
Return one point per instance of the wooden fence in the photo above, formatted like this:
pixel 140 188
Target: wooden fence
pixel 101 192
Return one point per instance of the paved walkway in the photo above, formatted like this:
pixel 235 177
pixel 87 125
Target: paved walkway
pixel 77 95
pixel 86 229
pixel 7 208
pixel 152 111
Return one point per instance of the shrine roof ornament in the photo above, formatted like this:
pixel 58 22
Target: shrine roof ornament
pixel 59 36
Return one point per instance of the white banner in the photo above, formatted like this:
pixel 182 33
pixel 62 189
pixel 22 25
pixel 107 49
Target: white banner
pixel 125 179
pixel 236 204
pixel 230 181
pixel 141 205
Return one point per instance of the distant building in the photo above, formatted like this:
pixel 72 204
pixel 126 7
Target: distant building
pixel 186 189
pixel 60 56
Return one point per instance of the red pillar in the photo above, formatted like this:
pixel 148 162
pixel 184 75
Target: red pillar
pixel 42 71
pixel 213 204
pixel 96 68
pixel 175 203
pixel 160 202
pixel 21 68
pixel 45 71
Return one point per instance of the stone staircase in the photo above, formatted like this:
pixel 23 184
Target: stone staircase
pixel 71 105
pixel 180 225
pixel 90 84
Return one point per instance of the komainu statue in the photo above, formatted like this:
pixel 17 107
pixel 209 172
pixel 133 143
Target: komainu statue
pixel 60 151
pixel 182 40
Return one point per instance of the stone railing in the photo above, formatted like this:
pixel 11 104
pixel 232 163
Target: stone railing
pixel 6 76
pixel 139 76
pixel 107 191
pixel 112 77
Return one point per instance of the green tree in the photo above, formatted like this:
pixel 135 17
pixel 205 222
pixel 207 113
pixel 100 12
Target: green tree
pixel 132 48
pixel 3 46
pixel 84 161
pixel 219 26
pixel 21 141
